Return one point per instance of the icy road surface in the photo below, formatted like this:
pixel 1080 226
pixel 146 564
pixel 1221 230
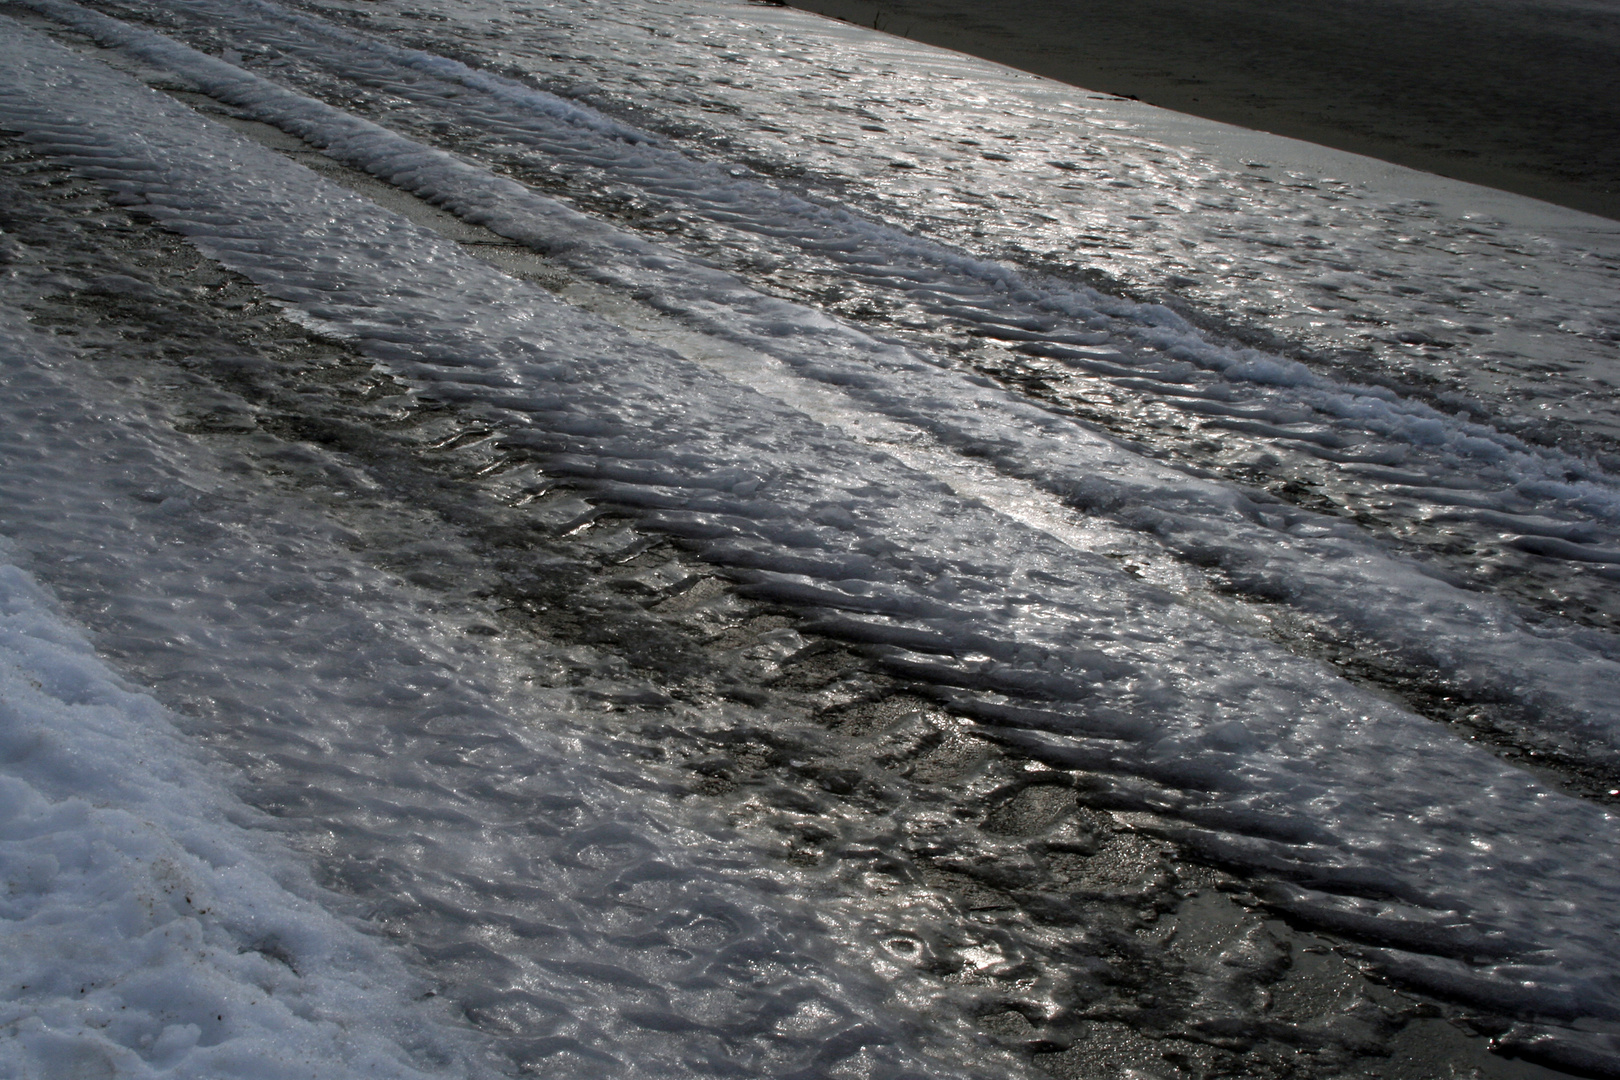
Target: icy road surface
pixel 749 580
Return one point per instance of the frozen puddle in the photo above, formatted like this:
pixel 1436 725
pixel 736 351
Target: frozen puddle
pixel 579 908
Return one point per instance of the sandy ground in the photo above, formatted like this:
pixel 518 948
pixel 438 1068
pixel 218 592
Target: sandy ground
pixel 1522 95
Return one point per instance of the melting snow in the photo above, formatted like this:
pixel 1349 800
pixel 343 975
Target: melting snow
pixel 887 493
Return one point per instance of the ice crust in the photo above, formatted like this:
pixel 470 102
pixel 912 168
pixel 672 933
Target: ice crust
pixel 144 930
pixel 1318 564
pixel 1490 886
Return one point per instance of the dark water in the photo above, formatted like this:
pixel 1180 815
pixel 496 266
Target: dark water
pixel 1522 95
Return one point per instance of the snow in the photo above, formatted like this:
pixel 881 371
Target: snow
pixel 147 927
pixel 889 495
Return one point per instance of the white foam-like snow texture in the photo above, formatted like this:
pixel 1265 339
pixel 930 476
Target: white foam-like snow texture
pixel 142 933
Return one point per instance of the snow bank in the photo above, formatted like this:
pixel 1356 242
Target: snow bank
pixel 142 933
